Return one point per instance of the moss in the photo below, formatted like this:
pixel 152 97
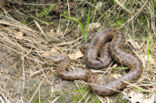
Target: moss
pixel 44 14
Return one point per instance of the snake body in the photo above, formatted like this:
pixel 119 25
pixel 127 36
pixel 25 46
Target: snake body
pixel 104 46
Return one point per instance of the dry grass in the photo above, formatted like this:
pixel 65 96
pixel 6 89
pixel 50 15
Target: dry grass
pixel 27 76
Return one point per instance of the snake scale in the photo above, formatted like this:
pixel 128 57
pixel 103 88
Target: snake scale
pixel 105 46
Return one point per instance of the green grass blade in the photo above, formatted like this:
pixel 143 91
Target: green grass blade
pixel 81 25
pixel 121 68
pixel 71 18
pixel 148 50
pixel 141 89
pixel 82 30
pixel 84 34
pixel 88 20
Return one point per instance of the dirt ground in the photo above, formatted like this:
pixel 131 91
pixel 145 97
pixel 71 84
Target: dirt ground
pixel 33 29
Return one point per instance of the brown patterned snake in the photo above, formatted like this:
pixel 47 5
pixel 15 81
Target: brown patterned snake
pixel 104 46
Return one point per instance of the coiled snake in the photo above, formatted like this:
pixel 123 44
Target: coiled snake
pixel 104 46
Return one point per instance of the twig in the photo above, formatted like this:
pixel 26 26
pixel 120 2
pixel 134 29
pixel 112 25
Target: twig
pixel 122 6
pixel 55 99
pixel 36 91
pixel 39 27
pixel 31 4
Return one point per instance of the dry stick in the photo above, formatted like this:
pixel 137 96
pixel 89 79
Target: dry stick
pixel 4 35
pixel 23 72
pixel 38 19
pixel 135 15
pixel 3 98
pixel 56 47
pixel 78 87
pixel 104 14
pixel 76 45
pixel 81 93
pixel 68 19
pixel 36 90
pixel 14 65
pixel 55 99
pixel 19 11
pixel 153 71
pixel 37 72
pixel 134 45
pixel 39 27
pixel 151 10
pixel 86 100
pixel 95 12
pixel 22 58
pixel 145 85
pixel 7 94
pixel 153 24
pixel 122 6
pixel 101 99
pixel 45 75
pixel 11 42
pixel 133 28
pixel 31 4
pixel 107 70
pixel 29 15
pixel 14 24
pixel 135 86
pixel 70 42
pixel 21 54
pixel 52 87
pixel 87 3
pixel 17 25
pixel 39 99
pixel 30 39
pixel 80 101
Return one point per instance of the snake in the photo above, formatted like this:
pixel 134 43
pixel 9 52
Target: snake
pixel 104 47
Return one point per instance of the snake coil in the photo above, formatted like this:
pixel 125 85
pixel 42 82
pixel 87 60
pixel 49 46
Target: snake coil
pixel 105 46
